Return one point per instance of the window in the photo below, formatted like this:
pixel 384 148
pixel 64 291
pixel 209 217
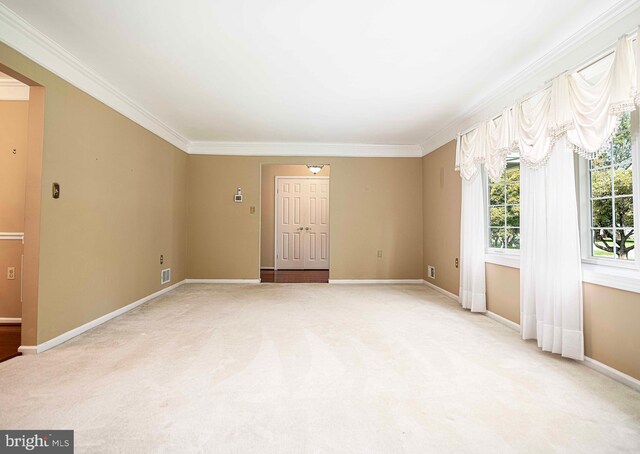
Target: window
pixel 611 201
pixel 504 207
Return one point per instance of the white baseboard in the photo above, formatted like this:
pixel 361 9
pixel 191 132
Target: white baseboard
pixel 10 320
pixel 30 349
pixel 612 373
pixel 441 290
pixel 222 281
pixel 591 363
pixel 375 281
pixel 505 321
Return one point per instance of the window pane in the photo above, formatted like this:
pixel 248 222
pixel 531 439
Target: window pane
pixel 513 238
pixel 512 173
pixel 496 192
pixel 496 238
pixel 497 216
pixel 602 243
pixel 601 183
pixel 611 178
pixel 624 212
pixel 513 193
pixel 513 216
pixel 602 213
pixel 621 146
pixel 602 161
pixel 624 243
pixel 496 180
pixel 623 181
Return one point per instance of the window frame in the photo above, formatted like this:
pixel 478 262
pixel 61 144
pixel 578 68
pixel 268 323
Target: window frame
pixel 495 255
pixel 584 193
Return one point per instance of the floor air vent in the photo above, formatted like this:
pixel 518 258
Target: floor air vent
pixel 166 276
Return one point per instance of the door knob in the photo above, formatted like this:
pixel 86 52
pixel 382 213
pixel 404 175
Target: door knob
pixel 301 228
pixel 307 228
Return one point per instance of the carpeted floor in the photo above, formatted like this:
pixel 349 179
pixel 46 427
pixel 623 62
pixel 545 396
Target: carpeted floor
pixel 278 368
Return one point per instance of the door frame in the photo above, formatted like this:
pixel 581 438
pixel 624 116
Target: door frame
pixel 275 213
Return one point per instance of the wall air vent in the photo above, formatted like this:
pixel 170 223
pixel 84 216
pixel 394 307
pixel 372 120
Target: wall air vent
pixel 165 276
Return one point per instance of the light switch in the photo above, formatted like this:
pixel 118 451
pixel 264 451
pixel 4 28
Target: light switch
pixel 252 210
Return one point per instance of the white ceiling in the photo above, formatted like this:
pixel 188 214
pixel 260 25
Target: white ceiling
pixel 330 71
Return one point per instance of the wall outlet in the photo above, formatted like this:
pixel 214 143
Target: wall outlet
pixel 11 272
pixel 380 254
pixel 431 272
pixel 457 262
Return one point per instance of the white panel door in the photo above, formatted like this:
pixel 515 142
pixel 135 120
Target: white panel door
pixel 302 223
pixel 290 224
pixel 316 236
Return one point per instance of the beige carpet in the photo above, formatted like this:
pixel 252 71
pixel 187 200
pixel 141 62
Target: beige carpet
pixel 312 368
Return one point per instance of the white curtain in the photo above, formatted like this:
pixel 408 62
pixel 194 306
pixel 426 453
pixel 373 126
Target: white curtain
pixel 550 265
pixel 570 114
pixel 472 234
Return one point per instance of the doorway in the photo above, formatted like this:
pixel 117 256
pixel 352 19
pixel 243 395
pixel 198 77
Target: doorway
pixel 21 144
pixel 295 228
pixel 14 119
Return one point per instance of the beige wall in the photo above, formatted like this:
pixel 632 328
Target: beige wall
pixel 267 210
pixel 611 317
pixel 122 204
pixel 376 204
pixel 14 117
pixel 503 291
pixel 441 199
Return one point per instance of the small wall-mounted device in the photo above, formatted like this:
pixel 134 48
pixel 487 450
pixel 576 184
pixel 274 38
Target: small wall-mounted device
pixel 431 272
pixel 238 197
pixel 55 190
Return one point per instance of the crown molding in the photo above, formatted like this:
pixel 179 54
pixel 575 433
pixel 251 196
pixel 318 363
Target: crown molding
pixel 305 149
pixel 26 39
pixel 534 74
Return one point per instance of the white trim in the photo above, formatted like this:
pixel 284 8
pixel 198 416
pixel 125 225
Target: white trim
pixel 13 92
pixel 363 150
pixel 10 320
pixel 29 41
pixel 29 349
pixel 11 82
pixel 222 281
pixel 627 279
pixel 441 290
pixel 504 321
pixel 589 40
pixel 12 236
pixel 503 259
pixel 611 276
pixel 591 363
pixel 612 373
pixel 375 281
pixel 616 375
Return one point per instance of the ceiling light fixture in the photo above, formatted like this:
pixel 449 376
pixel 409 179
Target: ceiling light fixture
pixel 315 168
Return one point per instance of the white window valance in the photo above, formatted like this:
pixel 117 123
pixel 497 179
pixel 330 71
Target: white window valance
pixel 587 113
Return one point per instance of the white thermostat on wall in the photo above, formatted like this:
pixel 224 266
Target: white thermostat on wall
pixel 238 197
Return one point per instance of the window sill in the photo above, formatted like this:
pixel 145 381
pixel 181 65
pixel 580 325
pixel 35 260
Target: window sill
pixel 512 260
pixel 627 279
pixel 610 276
